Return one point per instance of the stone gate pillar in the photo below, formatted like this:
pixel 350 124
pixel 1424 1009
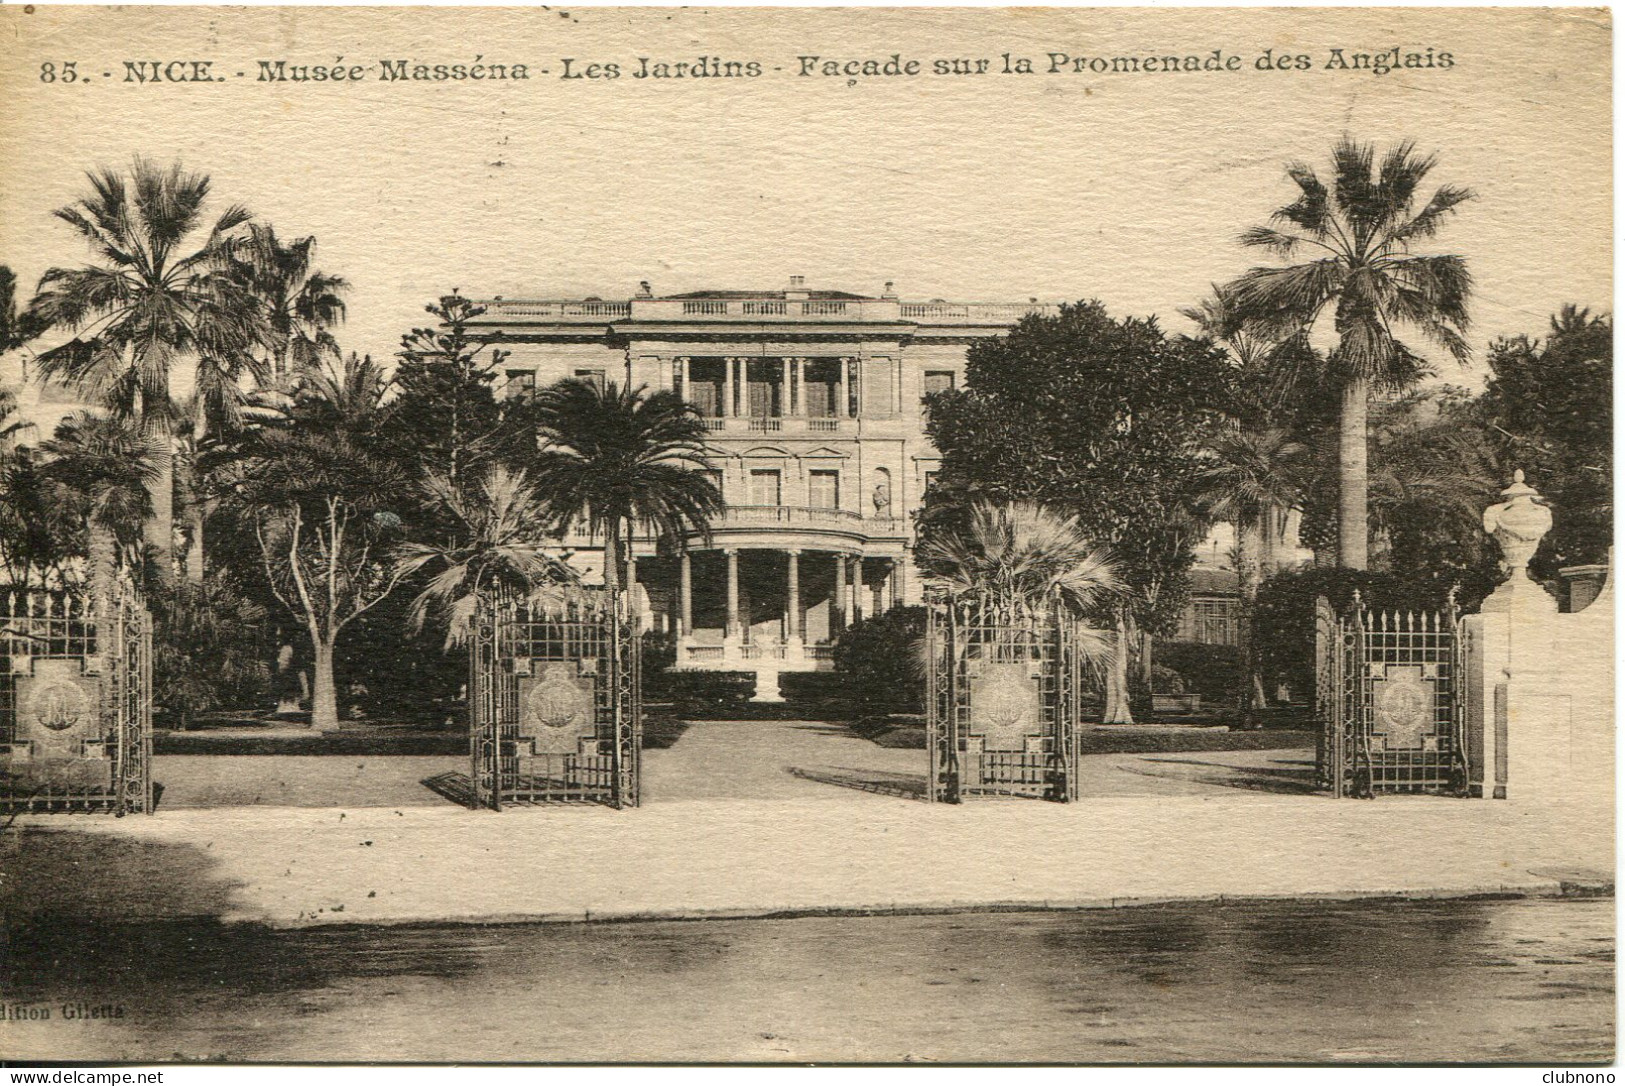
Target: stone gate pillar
pixel 1538 684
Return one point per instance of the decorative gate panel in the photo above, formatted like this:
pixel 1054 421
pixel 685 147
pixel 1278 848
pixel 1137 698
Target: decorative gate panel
pixel 1387 697
pixel 75 702
pixel 1002 702
pixel 555 704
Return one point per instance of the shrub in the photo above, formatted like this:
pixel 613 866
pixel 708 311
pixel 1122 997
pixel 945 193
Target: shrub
pixel 1165 680
pixel 1284 616
pixel 209 651
pixel 879 659
pixel 1213 671
pixel 708 693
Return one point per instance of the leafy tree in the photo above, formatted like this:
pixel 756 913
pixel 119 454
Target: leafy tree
pixel 146 305
pixel 612 458
pixel 880 659
pixel 1102 420
pixel 1433 472
pixel 1549 407
pixel 1356 235
pixel 321 502
pixel 446 421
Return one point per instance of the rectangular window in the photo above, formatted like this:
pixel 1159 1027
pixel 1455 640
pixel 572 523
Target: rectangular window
pixel 595 376
pixel 764 487
pixel 1214 621
pixel 939 381
pixel 521 385
pixel 824 489
pixel 930 477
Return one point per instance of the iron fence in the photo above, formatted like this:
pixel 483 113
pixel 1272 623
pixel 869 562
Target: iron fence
pixel 75 701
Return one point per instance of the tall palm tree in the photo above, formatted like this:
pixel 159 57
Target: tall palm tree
pixel 1252 476
pixel 302 304
pixel 615 457
pixel 500 519
pixel 146 305
pixel 1356 236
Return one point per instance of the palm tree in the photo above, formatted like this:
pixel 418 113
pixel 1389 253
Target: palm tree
pixel 499 520
pixel 1356 236
pixel 1024 557
pixel 146 305
pixel 105 467
pixel 302 305
pixel 615 457
pixel 1253 475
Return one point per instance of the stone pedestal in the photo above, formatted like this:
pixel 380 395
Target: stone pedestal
pixel 1538 684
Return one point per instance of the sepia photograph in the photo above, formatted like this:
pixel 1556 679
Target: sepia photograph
pixel 785 536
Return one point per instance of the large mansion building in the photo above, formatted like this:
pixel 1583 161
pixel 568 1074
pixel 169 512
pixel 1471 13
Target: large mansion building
pixel 814 403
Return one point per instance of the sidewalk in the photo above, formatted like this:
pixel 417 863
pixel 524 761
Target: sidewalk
pixel 849 851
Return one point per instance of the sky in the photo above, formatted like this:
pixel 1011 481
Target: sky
pixel 1128 188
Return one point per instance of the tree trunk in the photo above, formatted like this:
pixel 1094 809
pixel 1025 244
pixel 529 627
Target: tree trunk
pixel 1352 482
pixel 160 530
pixel 194 553
pixel 324 704
pixel 1117 706
pixel 103 551
pixel 1249 542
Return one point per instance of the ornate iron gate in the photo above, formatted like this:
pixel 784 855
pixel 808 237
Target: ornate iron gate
pixel 1387 698
pixel 75 702
pixel 1002 701
pixel 554 702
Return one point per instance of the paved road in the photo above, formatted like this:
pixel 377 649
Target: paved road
pixel 712 760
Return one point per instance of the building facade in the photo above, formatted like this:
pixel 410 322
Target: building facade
pixel 814 403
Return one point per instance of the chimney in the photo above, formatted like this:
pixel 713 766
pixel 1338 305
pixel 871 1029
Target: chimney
pixel 644 290
pixel 891 290
pixel 798 282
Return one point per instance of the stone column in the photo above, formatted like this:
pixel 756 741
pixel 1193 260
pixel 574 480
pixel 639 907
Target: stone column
pixel 842 403
pixel 685 596
pixel 899 573
pixel 857 588
pixel 731 631
pixel 801 386
pixel 792 599
pixel 784 388
pixel 842 608
pixel 683 382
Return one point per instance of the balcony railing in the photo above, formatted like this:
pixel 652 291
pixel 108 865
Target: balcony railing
pixel 751 516
pixel 591 310
pixel 870 310
pixel 781 424
pixel 971 312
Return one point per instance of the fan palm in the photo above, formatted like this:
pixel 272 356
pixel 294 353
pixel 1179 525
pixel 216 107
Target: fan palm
pixel 499 519
pixel 1357 235
pixel 615 457
pixel 1023 557
pixel 301 305
pixel 146 305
